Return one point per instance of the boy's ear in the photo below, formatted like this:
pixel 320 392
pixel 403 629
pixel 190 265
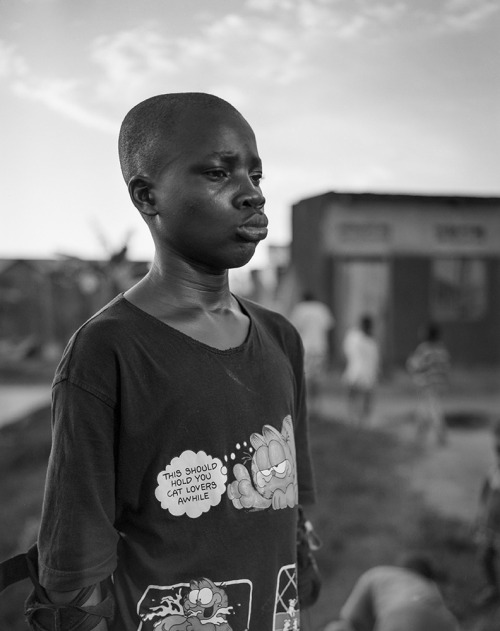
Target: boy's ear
pixel 140 192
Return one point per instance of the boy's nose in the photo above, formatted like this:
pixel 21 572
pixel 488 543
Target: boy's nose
pixel 258 202
pixel 250 197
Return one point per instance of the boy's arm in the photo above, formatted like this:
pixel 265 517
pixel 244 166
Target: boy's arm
pixel 77 539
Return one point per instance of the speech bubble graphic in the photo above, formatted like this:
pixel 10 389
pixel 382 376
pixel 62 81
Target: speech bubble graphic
pixel 191 484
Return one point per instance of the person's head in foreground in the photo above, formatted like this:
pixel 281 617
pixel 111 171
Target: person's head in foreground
pixel 193 171
pixel 339 625
pixel 383 595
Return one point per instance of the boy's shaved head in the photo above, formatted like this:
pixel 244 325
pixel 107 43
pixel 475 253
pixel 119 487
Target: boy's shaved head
pixel 145 128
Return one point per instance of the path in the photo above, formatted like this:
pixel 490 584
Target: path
pixel 448 477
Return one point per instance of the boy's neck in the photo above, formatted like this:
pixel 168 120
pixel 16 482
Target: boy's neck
pixel 182 286
pixel 193 301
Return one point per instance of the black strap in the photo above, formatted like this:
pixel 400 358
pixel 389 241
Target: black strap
pixel 47 616
pixel 70 615
pixel 13 570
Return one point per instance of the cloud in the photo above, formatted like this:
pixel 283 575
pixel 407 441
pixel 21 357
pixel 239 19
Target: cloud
pixel 11 64
pixel 341 20
pixel 353 19
pixel 456 16
pixel 269 45
pixel 61 96
pixel 229 50
pixel 130 59
pixel 255 48
pixel 270 6
pixel 469 15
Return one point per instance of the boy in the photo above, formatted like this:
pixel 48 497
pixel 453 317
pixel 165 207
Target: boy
pixel 488 527
pixel 429 365
pixel 180 447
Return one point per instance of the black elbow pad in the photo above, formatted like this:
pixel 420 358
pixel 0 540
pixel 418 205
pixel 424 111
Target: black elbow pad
pixel 44 615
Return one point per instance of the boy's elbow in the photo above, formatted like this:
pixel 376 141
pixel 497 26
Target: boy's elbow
pixel 66 598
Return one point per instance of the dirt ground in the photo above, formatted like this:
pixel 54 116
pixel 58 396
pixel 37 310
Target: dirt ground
pixel 450 476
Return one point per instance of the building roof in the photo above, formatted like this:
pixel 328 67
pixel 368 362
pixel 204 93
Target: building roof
pixel 457 201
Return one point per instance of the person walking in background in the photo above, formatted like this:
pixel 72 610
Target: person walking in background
pixel 314 321
pixel 429 366
pixel 362 356
pixel 396 598
pixel 487 527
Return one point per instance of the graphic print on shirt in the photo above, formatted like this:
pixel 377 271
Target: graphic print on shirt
pixel 286 605
pixel 194 482
pixel 272 479
pixel 200 605
pixel 191 484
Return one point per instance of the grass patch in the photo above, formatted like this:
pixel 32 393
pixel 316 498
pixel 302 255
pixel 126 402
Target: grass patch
pixel 366 514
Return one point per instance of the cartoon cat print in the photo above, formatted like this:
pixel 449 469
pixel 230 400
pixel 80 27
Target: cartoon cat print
pixel 205 609
pixel 273 481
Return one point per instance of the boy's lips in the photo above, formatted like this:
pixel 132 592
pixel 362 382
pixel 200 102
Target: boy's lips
pixel 254 229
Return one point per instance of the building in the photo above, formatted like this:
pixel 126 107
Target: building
pixel 405 259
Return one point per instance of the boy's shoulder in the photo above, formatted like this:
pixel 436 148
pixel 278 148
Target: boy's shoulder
pixel 96 338
pixel 107 323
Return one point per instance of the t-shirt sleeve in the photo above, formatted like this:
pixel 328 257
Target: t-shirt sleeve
pixel 77 539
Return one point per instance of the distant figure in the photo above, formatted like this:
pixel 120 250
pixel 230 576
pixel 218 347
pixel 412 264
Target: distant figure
pixel 391 598
pixel 487 527
pixel 313 320
pixel 362 367
pixel 429 365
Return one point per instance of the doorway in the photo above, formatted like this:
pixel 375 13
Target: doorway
pixel 362 286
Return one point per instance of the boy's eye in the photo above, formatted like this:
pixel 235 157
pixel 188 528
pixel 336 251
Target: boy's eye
pixel 216 174
pixel 256 178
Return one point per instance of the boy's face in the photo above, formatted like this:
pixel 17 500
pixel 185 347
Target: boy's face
pixel 207 195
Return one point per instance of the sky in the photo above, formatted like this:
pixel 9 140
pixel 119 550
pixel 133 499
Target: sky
pixel 345 95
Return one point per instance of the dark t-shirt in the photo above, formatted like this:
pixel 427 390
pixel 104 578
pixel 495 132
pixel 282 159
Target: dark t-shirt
pixel 177 467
